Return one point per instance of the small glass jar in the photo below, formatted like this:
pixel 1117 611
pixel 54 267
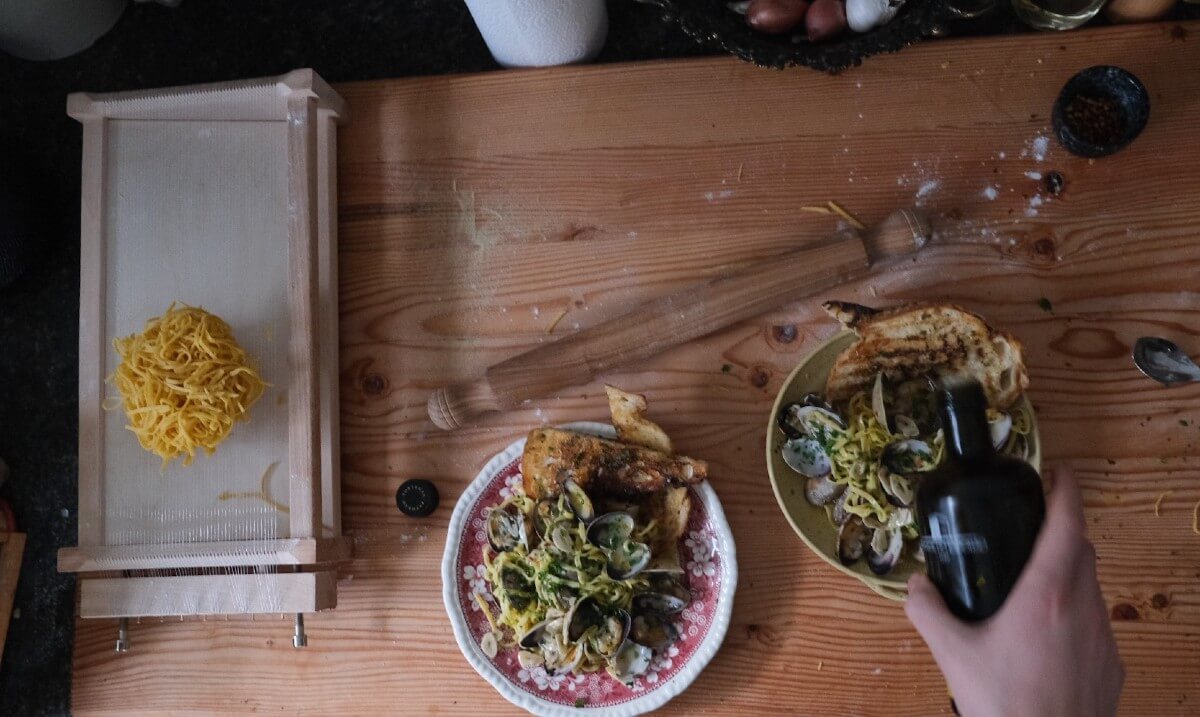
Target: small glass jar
pixel 1056 14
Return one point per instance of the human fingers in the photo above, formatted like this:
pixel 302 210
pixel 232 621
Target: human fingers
pixel 1056 552
pixel 926 610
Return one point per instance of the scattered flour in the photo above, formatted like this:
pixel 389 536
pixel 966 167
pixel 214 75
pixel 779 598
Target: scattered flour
pixel 1037 147
pixel 1002 155
pixel 990 192
pixel 925 181
pixel 723 194
pixel 928 187
pixel 1033 175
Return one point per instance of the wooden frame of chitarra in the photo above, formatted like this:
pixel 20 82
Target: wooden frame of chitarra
pixel 293 574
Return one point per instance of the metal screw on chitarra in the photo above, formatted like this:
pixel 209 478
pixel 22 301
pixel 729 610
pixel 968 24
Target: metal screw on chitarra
pixel 299 639
pixel 122 635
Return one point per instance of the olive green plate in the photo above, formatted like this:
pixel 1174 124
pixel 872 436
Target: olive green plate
pixel 810 521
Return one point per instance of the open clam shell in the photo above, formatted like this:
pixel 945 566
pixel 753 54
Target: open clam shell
pixel 807 457
pixel 808 419
pixel 908 456
pixel 653 629
pixel 577 498
pixel 630 662
pixel 611 533
pixel 852 540
pixel 507 529
pixel 820 491
pixel 885 548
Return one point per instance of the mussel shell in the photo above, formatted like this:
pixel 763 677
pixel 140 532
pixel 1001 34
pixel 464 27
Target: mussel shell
pixel 506 529
pixel 661 603
pixel 654 630
pixel 819 491
pixel 884 554
pixel 852 540
pixel 631 662
pixel 807 457
pixel 577 498
pixel 908 456
pixel 610 530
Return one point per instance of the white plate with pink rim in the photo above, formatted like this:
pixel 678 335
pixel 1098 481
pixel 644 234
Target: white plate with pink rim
pixel 706 552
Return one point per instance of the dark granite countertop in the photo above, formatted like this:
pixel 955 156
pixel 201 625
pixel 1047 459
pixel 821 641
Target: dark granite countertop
pixel 155 46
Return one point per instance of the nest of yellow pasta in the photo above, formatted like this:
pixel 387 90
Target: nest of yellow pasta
pixel 184 382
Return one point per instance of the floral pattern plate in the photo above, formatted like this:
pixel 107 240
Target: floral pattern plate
pixel 706 552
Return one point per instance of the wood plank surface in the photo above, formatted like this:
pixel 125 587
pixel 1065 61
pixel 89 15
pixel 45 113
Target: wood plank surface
pixel 474 211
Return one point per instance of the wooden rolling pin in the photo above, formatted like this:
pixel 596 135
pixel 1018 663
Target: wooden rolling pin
pixel 671 320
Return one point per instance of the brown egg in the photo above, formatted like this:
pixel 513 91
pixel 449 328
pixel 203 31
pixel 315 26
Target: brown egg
pixel 825 20
pixel 776 17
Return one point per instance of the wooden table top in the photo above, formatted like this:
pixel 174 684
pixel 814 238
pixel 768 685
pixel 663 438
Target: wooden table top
pixel 475 211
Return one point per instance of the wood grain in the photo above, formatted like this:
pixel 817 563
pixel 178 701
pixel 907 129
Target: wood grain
pixel 304 415
pixel 666 322
pixel 91 329
pixel 475 210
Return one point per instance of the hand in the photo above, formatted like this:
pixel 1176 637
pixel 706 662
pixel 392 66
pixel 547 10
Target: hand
pixel 1050 648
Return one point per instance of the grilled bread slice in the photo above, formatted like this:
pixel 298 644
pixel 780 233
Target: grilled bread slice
pixel 629 418
pixel 920 340
pixel 600 466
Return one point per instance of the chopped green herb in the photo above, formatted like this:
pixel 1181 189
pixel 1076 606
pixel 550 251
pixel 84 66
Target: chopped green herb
pixel 726 368
pixel 581 702
pixel 1045 304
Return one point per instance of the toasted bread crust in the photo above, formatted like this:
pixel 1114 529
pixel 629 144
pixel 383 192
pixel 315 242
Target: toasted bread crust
pixel 629 418
pixel 600 466
pixel 925 339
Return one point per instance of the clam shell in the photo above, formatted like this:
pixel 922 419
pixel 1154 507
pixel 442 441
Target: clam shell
pixel 807 457
pixel 631 662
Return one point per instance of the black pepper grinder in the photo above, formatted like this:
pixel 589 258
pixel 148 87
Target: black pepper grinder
pixel 979 512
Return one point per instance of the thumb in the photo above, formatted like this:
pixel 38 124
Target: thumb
pixel 926 610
